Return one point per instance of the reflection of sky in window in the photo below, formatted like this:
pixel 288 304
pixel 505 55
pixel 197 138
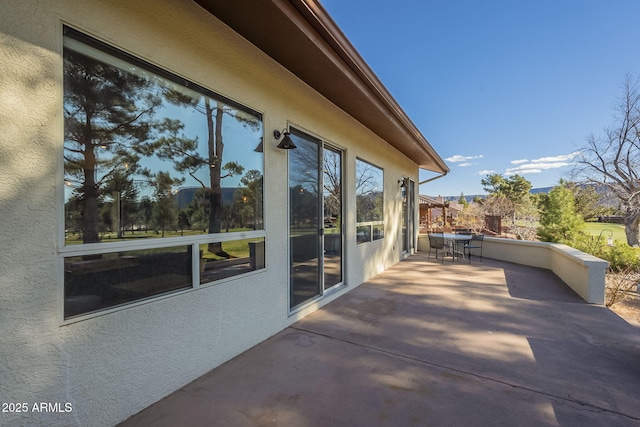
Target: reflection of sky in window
pixel 368 177
pixel 240 141
pixel 369 192
pixel 304 170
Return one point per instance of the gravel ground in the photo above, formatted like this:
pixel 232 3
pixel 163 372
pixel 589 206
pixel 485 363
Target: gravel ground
pixel 629 309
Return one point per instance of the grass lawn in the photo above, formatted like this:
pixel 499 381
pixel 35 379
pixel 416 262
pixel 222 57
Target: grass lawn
pixel 595 228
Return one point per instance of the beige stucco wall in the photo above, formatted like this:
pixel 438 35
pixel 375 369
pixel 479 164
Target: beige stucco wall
pixel 583 273
pixel 111 366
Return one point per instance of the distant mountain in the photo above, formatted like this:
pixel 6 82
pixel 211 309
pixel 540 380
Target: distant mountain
pixel 184 196
pixel 470 198
pixel 544 190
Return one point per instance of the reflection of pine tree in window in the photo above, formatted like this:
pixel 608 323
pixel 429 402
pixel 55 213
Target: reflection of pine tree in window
pixel 118 114
pixel 108 116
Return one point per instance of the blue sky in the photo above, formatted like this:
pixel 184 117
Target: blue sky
pixel 499 86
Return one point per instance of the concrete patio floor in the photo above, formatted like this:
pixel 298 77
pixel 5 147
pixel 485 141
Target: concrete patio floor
pixel 427 344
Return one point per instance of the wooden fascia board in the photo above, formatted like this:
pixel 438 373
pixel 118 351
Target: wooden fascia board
pixel 352 86
pixel 354 67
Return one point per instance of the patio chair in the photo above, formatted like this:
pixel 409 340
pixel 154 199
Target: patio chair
pixel 459 245
pixel 437 242
pixel 475 243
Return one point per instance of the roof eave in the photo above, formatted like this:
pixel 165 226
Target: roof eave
pixel 302 37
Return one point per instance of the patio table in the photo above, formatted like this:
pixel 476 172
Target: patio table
pixel 456 239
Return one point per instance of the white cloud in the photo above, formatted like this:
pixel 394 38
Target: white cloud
pixel 467 164
pixel 561 158
pixel 458 158
pixel 539 165
pixel 486 172
pixel 516 171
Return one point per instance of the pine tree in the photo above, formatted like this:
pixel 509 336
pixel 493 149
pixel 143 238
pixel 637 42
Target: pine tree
pixel 463 200
pixel 559 221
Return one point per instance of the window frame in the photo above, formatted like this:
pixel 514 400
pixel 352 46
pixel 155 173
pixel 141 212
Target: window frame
pixel 372 225
pixel 65 250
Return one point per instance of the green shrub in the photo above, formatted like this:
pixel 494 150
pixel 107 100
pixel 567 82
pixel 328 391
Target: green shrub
pixel 621 257
pixel 585 243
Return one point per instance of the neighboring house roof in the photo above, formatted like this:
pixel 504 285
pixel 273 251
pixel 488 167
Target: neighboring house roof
pixel 455 206
pixel 430 202
pixel 302 37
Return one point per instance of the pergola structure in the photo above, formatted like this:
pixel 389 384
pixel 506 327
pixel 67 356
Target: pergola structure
pixel 435 213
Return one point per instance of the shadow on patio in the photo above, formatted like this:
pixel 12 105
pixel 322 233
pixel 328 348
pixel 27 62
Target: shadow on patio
pixel 423 343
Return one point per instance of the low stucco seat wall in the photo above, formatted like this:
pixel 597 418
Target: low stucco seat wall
pixel 583 273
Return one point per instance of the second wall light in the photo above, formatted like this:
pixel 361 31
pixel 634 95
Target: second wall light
pixel 286 143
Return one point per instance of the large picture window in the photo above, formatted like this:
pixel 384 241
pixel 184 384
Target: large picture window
pixel 369 202
pixel 150 156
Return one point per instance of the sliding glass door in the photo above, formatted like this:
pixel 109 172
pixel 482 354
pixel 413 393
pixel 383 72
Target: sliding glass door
pixel 332 218
pixel 315 218
pixel 408 224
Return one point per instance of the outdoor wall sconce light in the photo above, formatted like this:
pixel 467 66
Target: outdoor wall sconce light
pixel 286 143
pixel 403 187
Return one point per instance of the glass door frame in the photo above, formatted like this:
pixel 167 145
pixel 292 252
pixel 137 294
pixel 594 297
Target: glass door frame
pixel 408 216
pixel 326 249
pixel 322 147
